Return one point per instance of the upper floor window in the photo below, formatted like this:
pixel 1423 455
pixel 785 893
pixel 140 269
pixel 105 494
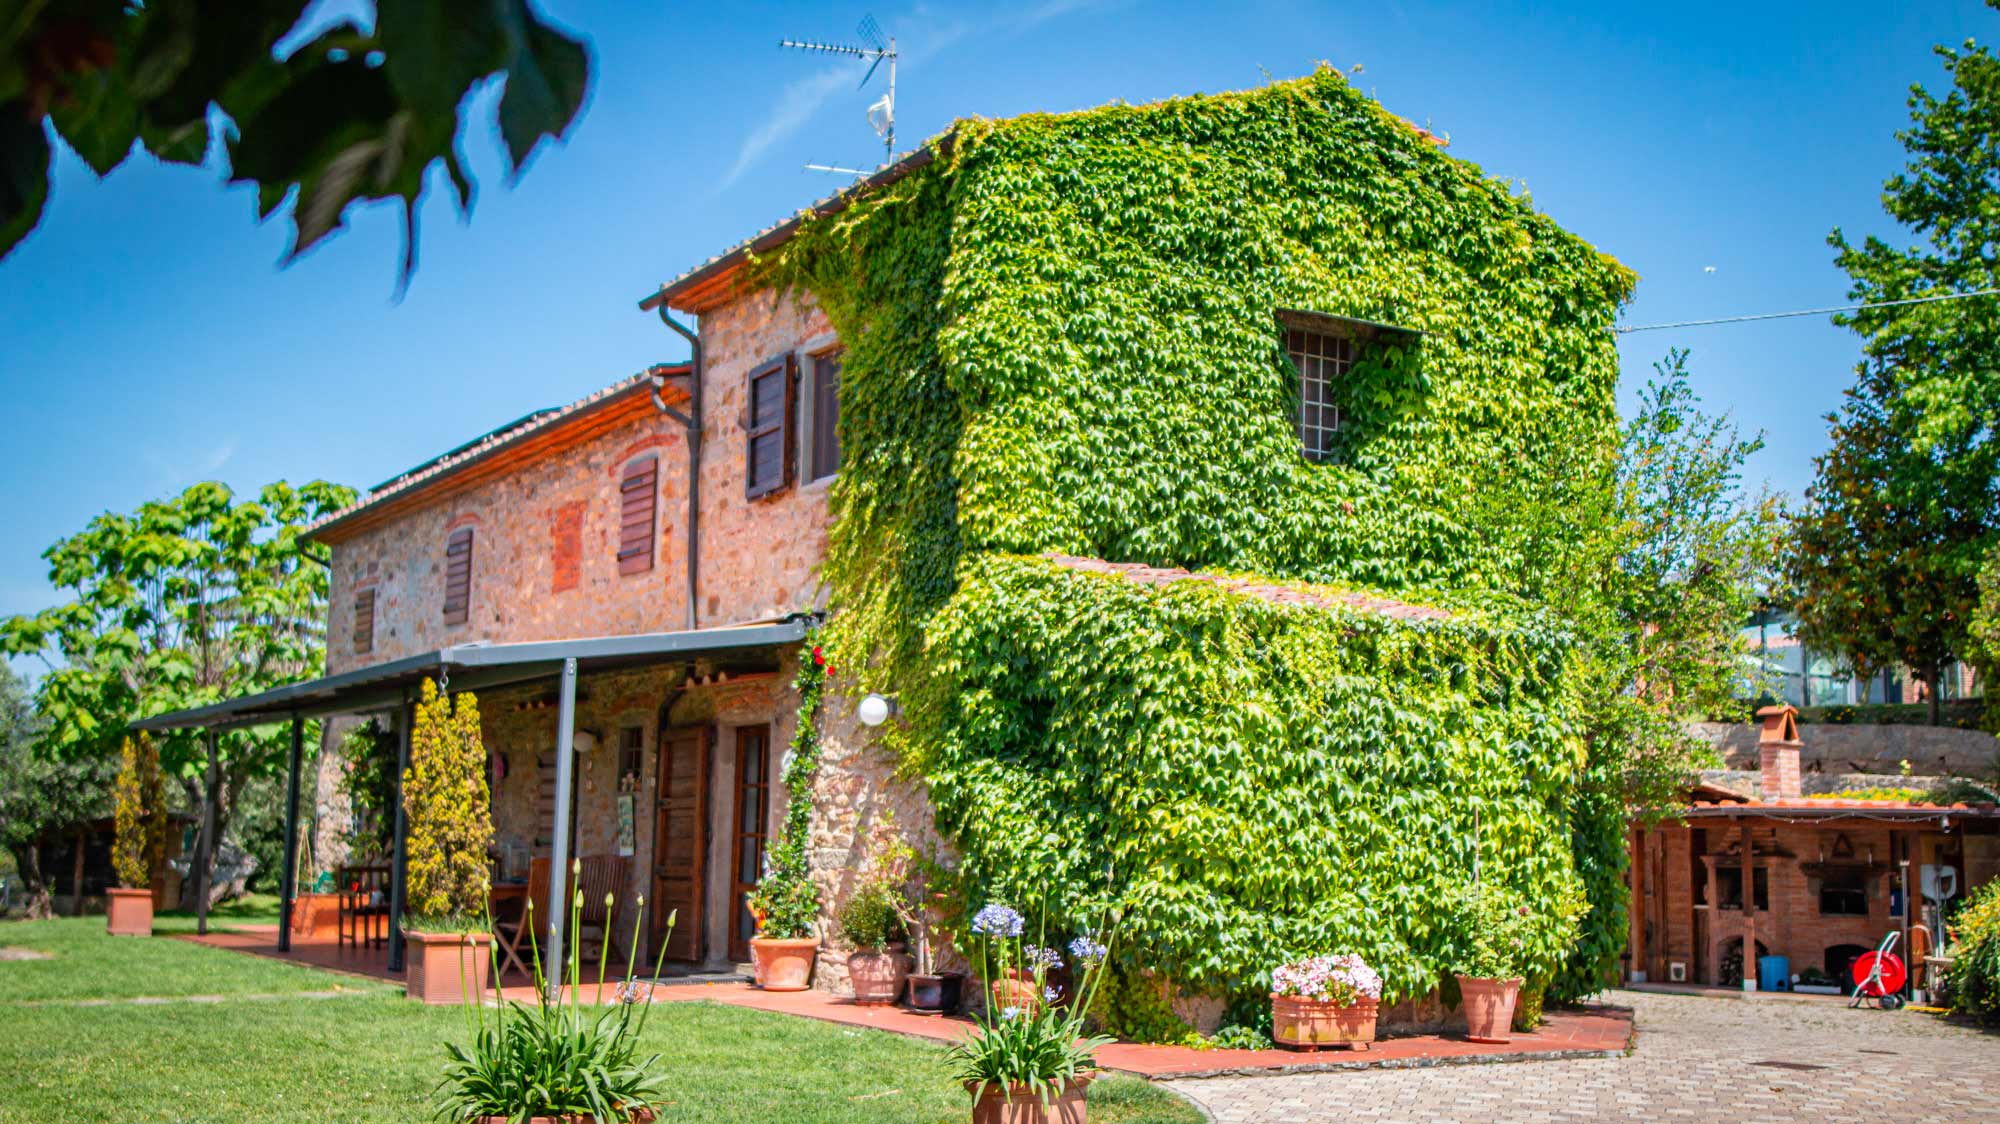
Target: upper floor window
pixel 638 510
pixel 823 427
pixel 768 457
pixel 458 576
pixel 364 621
pixel 1322 359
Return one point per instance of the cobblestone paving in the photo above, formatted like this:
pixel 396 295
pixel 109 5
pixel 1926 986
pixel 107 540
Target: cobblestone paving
pixel 1694 1062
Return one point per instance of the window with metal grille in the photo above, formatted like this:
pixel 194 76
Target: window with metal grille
pixel 364 621
pixel 1322 360
pixel 638 507
pixel 769 460
pixel 825 455
pixel 458 576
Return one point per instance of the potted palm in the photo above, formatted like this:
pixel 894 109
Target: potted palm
pixel 1325 1001
pixel 869 920
pixel 449 812
pixel 558 1062
pixel 1502 939
pixel 1030 1064
pixel 139 840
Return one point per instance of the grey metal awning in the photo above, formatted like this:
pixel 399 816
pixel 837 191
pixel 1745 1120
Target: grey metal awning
pixel 475 666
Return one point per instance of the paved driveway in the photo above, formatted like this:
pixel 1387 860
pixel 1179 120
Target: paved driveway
pixel 1695 1062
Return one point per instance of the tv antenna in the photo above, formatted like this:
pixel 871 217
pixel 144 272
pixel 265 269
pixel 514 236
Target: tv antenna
pixel 881 114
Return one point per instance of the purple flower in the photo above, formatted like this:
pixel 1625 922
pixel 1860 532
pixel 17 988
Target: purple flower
pixel 1086 951
pixel 1050 994
pixel 1010 1012
pixel 997 921
pixel 1047 959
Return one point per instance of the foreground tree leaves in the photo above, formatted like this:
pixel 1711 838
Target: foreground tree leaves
pixel 354 115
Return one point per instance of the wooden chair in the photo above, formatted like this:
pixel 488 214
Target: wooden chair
pixel 363 919
pixel 512 936
pixel 602 874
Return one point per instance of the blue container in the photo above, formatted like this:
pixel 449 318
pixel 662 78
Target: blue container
pixel 1774 973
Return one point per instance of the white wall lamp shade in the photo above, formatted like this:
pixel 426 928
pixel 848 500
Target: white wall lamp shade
pixel 876 709
pixel 583 741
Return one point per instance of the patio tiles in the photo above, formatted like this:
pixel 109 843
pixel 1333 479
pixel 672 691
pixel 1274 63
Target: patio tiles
pixel 1596 1031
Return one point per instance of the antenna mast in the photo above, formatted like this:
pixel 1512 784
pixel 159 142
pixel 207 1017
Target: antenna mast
pixel 882 114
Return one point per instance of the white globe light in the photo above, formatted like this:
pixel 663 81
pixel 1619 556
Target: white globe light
pixel 874 710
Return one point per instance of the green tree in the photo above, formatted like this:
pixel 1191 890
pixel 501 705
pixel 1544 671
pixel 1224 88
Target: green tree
pixel 1983 647
pixel 1942 358
pixel 185 602
pixel 1885 554
pixel 356 113
pixel 39 796
pixel 450 813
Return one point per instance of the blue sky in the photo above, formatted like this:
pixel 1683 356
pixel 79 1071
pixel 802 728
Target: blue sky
pixel 148 340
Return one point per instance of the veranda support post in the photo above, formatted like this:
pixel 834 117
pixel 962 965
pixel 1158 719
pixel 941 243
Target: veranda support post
pixel 289 880
pixel 406 717
pixel 559 849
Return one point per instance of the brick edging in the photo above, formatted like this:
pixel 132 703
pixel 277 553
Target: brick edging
pixel 1385 1063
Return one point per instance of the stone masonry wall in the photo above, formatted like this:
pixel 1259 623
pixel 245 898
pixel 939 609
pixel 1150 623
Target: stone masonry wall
pixel 546 536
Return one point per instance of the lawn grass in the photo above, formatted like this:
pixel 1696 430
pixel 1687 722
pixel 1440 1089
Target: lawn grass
pixel 373 1056
pixel 86 964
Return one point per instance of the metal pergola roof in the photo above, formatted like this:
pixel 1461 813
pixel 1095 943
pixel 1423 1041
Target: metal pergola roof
pixel 474 666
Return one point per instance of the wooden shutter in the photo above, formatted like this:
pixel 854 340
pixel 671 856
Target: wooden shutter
pixel 826 416
pixel 769 460
pixel 364 621
pixel 638 510
pixel 458 576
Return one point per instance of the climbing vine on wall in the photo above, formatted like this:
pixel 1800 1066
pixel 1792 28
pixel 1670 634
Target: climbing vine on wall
pixel 786 900
pixel 1062 335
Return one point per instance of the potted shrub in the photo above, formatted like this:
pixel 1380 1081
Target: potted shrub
pixel 868 920
pixel 139 839
pixel 573 1062
pixel 1503 939
pixel 448 809
pixel 1022 1064
pixel 932 992
pixel 1325 1001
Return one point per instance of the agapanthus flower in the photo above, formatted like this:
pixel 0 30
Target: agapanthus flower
pixel 1047 959
pixel 1010 1012
pixel 632 991
pixel 997 921
pixel 1050 994
pixel 1086 951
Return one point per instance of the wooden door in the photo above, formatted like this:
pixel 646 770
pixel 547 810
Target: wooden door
pixel 680 840
pixel 746 829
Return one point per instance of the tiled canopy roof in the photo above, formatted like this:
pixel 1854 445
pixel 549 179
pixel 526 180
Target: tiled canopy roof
pixel 1278 594
pixel 513 433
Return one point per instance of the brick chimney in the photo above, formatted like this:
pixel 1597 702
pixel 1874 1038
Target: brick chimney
pixel 1778 752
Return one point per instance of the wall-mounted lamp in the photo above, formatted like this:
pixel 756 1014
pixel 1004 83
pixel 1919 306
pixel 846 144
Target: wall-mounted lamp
pixel 876 709
pixel 583 741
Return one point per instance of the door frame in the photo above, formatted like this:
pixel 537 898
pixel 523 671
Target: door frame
pixel 739 946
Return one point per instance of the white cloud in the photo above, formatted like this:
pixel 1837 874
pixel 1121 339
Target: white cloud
pixel 177 470
pixel 795 107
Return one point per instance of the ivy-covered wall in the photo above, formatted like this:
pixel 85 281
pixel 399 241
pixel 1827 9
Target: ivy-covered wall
pixel 1062 336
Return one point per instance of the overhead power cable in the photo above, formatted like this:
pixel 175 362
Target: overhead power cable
pixel 1806 312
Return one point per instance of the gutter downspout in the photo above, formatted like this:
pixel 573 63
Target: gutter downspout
pixel 692 422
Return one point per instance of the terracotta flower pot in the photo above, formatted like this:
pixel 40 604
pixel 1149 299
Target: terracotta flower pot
pixel 1018 1104
pixel 641 1116
pixel 1017 989
pixel 784 963
pixel 1489 1007
pixel 442 965
pixel 1311 1023
pixel 877 976
pixel 129 913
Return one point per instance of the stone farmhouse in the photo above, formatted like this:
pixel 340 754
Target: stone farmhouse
pixel 647 562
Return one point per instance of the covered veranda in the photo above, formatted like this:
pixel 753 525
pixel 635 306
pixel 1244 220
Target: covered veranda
pixel 693 662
